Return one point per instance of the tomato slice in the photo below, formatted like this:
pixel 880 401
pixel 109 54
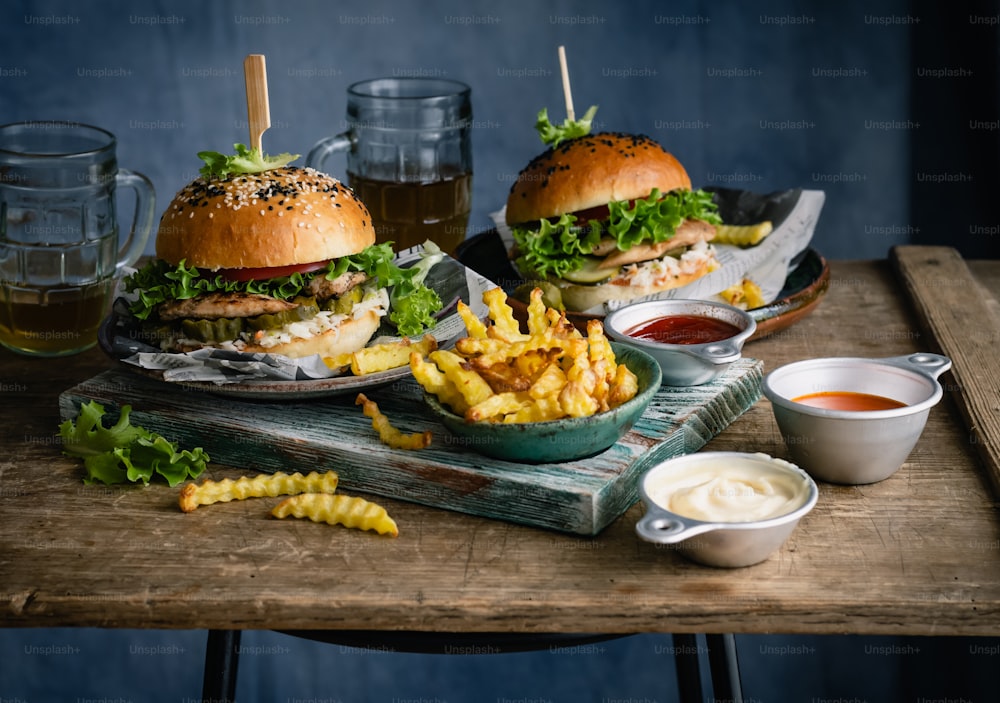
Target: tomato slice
pixel 599 213
pixel 257 274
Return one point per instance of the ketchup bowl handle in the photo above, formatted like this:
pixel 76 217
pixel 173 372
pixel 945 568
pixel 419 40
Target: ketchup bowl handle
pixel 725 352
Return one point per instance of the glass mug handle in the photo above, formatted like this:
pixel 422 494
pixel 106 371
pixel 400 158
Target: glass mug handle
pixel 324 147
pixel 142 222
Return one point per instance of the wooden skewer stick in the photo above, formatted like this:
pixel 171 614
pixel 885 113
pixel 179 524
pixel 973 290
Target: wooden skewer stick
pixel 565 81
pixel 258 112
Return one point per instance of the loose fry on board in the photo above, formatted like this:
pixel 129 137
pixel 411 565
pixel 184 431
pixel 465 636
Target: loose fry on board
pixel 390 435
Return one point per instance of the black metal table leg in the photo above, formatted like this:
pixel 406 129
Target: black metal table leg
pixel 724 667
pixel 221 660
pixel 688 668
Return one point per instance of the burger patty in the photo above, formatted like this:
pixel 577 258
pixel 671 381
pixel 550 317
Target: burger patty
pixel 323 289
pixel 688 233
pixel 212 306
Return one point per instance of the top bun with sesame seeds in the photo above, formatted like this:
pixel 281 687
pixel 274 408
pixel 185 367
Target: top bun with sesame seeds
pixel 609 217
pixel 592 171
pixel 281 217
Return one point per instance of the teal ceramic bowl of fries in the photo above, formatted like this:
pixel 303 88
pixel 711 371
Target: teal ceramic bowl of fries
pixel 560 440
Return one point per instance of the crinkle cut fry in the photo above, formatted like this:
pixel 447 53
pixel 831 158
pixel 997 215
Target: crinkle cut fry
pixel 387 432
pixel 276 484
pixel 349 511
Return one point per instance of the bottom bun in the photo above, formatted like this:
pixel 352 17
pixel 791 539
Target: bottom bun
pixel 349 336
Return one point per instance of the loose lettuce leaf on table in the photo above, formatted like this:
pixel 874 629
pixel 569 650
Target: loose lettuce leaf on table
pixel 125 452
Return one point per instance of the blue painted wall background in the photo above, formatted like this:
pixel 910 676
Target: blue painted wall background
pixel 856 98
pixel 895 118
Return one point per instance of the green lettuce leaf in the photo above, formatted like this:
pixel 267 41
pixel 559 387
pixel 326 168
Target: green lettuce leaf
pixel 125 452
pixel 552 135
pixel 657 218
pixel 412 303
pixel 556 248
pixel 245 160
pixel 158 282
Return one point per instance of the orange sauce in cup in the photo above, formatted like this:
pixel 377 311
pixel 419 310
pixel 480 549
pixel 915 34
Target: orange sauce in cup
pixel 847 400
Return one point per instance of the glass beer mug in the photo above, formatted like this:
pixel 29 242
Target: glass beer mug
pixel 409 158
pixel 60 255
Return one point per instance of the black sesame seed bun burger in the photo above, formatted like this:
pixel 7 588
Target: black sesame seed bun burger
pixel 608 216
pixel 280 260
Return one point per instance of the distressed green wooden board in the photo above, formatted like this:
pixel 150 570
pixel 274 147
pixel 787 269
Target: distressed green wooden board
pixel 579 497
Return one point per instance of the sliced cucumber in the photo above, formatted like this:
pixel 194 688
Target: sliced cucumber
pixel 590 272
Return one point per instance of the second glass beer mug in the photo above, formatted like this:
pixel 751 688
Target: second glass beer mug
pixel 60 254
pixel 409 157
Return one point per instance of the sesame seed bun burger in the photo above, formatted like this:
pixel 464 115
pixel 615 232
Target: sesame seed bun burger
pixel 259 256
pixel 607 217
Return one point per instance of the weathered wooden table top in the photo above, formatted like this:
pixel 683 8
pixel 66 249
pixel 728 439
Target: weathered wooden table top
pixel 918 553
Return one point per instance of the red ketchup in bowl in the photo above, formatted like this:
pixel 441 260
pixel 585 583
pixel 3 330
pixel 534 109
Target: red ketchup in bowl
pixel 684 329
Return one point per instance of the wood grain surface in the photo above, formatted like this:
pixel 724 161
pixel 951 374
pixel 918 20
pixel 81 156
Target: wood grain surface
pixel 918 553
pixel 954 309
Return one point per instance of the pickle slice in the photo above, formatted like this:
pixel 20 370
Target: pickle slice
pixel 227 329
pixel 223 329
pixel 345 303
pixel 590 272
pixel 272 321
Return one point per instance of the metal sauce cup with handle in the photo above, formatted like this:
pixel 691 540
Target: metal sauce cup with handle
pixel 695 362
pixel 854 446
pixel 724 509
pixel 60 252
